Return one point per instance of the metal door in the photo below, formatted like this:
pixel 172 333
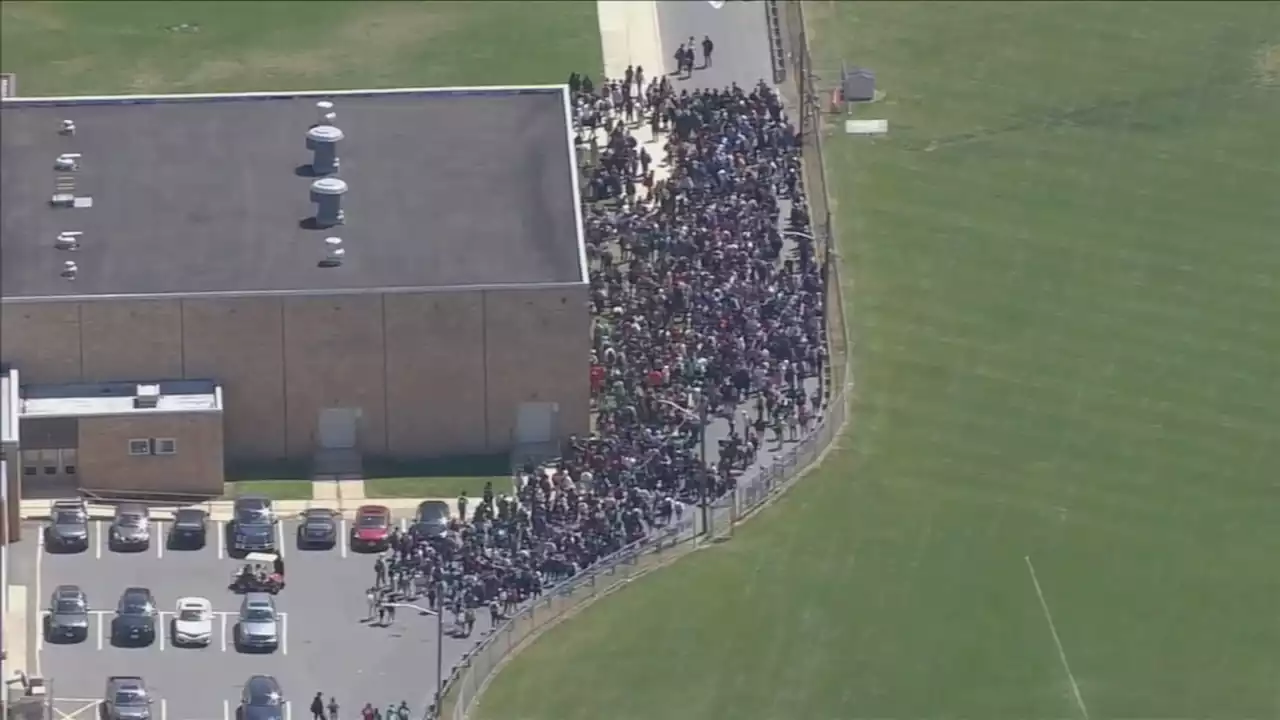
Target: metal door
pixel 337 428
pixel 535 422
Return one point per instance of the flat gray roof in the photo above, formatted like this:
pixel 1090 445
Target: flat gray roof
pixel 209 194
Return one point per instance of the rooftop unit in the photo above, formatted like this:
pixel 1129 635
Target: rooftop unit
pixel 334 252
pixel 322 141
pixel 70 270
pixel 327 194
pixel 67 162
pixel 148 396
pixel 68 240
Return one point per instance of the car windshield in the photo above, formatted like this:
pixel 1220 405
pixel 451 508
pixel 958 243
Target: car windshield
pixel 324 520
pixel 433 514
pixel 68 517
pixel 191 615
pixel 68 605
pixel 259 614
pixel 252 517
pixel 372 521
pixel 264 698
pixel 187 517
pixel 135 606
pixel 131 521
pixel 130 696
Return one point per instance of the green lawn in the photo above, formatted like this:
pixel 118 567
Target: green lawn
pixel 274 489
pixel 85 48
pixel 433 487
pixel 1063 268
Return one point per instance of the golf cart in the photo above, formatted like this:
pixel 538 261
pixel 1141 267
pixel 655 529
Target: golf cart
pixel 261 572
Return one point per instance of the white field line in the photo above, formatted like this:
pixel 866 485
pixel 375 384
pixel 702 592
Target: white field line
pixel 1062 654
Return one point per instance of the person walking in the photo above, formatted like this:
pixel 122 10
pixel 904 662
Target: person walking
pixel 333 708
pixel 707 48
pixel 379 572
pixel 317 707
pixel 371 597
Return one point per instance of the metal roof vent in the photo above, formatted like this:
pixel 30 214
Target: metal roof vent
pixel 334 253
pixel 70 270
pixel 324 113
pixel 322 141
pixel 327 194
pixel 67 162
pixel 68 241
pixel 68 127
pixel 147 396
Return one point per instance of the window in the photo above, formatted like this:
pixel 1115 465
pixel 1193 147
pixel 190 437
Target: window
pixel 141 446
pixel 166 446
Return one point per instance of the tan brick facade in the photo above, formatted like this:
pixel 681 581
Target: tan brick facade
pixel 196 467
pixel 433 373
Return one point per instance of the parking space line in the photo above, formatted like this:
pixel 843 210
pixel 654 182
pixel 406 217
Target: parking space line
pixel 404 524
pixel 160 633
pixel 43 623
pixel 223 618
pixel 164 709
pixel 342 537
pixel 39 631
pixel 284 633
pixel 288 710
pixel 226 710
pixel 157 539
pixel 222 537
pixel 280 538
pixel 97 539
pixel 99 619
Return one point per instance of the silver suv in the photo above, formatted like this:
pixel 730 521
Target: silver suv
pixel 259 624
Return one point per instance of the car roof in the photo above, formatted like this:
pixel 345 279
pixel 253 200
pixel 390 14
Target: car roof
pixel 262 684
pixel 133 591
pixel 69 504
pixel 194 603
pixel 320 512
pixel 432 504
pixel 252 500
pixel 68 590
pixel 373 510
pixel 127 681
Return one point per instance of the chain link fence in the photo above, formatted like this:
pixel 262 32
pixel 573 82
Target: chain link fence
pixel 468 680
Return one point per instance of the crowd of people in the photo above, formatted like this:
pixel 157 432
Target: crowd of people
pixel 705 309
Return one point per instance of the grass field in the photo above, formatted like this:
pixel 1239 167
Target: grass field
pixel 1066 295
pixel 1064 277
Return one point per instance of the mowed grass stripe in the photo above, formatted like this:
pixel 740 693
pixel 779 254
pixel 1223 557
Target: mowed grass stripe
pixel 1066 289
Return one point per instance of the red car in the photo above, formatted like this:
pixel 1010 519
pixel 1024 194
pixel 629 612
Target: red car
pixel 372 529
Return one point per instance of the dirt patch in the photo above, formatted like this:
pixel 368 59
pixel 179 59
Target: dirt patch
pixel 375 37
pixel 1267 66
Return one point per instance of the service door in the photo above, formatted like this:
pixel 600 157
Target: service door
pixel 535 422
pixel 337 428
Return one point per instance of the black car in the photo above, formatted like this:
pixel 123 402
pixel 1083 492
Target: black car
pixel 253 525
pixel 261 699
pixel 318 528
pixel 68 617
pixel 68 528
pixel 135 620
pixel 190 528
pixel 431 520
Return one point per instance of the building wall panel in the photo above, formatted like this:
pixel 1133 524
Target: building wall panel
pixel 239 342
pixel 131 339
pixel 537 349
pixel 196 468
pixel 42 340
pixel 334 358
pixel 435 370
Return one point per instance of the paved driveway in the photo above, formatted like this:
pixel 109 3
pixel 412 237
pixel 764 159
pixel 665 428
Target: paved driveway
pixel 327 645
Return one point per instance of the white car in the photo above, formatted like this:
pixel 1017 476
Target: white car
pixel 193 622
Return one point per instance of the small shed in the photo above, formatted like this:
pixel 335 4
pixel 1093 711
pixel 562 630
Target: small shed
pixel 858 85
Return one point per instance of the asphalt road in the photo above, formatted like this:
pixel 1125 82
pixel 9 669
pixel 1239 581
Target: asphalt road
pixel 327 645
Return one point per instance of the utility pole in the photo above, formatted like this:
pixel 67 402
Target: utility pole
pixel 704 472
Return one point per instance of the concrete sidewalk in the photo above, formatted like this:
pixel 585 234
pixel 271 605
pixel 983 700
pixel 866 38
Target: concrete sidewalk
pixel 221 509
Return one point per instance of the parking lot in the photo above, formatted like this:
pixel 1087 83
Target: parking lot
pixel 326 644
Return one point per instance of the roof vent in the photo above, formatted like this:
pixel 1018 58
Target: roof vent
pixel 327 194
pixel 67 162
pixel 322 141
pixel 147 396
pixel 70 270
pixel 324 113
pixel 68 240
pixel 334 253
pixel 68 127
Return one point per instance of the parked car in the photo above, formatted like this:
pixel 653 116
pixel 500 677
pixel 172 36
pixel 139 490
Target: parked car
pixel 253 525
pixel 126 698
pixel 431 519
pixel 68 527
pixel 192 622
pixel 135 620
pixel 259 624
pixel 262 699
pixel 372 528
pixel 130 528
pixel 190 528
pixel 68 618
pixel 318 528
